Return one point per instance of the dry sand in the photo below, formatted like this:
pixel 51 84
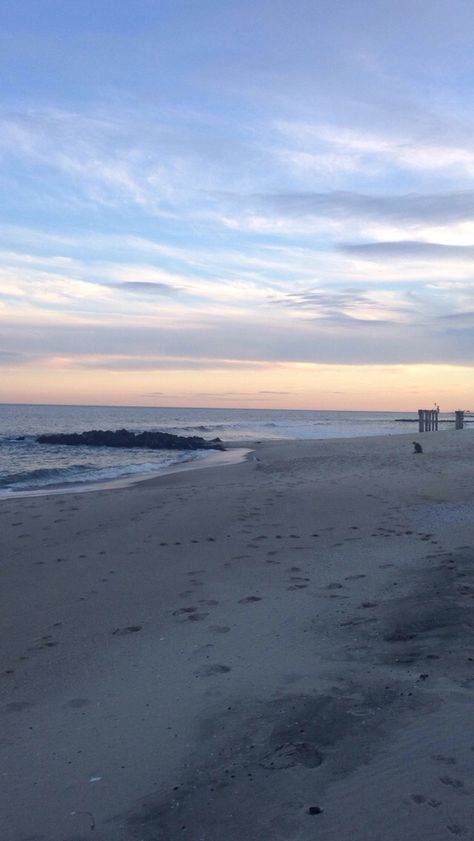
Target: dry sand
pixel 278 650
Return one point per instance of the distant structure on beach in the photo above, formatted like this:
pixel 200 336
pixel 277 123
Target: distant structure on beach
pixel 459 415
pixel 428 420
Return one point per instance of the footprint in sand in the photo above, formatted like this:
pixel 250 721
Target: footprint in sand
pixel 17 706
pixel 129 629
pixel 181 610
pixel 197 617
pixel 456 829
pixel 250 599
pixel 213 669
pixel 399 636
pixel 219 629
pixel 451 781
pixel 418 798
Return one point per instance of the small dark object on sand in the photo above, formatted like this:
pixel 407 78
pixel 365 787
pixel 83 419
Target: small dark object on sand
pixel 314 810
pixel 417 446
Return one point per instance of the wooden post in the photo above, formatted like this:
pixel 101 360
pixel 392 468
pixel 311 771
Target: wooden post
pixel 459 419
pixel 428 420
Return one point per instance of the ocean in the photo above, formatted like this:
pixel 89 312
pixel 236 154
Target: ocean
pixel 26 465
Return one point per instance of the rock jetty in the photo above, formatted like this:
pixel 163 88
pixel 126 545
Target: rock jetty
pixel 126 439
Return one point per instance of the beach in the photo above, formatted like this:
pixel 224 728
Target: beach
pixel 280 649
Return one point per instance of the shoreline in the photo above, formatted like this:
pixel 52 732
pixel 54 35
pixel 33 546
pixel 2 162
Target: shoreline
pixel 225 650
pixel 225 458
pixel 214 459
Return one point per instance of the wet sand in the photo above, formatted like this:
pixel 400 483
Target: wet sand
pixel 277 650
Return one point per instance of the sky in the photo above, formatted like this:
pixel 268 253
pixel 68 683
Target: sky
pixel 250 203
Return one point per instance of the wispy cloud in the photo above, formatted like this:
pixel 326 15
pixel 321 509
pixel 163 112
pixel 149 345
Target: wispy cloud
pixel 147 287
pixel 409 249
pixel 218 343
pixel 412 208
pixel 101 157
pixel 235 204
pixel 338 150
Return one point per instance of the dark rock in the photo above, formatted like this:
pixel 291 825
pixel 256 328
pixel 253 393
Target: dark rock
pixel 125 439
pixel 314 810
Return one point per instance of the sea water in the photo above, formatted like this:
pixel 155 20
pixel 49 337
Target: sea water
pixel 26 465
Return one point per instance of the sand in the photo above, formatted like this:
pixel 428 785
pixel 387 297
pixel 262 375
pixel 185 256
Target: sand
pixel 276 650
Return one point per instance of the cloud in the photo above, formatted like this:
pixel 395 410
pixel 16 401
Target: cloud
pixel 146 287
pixel 408 249
pixel 215 343
pixel 111 362
pixel 339 149
pixel 459 317
pixel 414 208
pixel 107 159
pixel 356 304
pixel 327 219
pixel 7 357
pixel 249 272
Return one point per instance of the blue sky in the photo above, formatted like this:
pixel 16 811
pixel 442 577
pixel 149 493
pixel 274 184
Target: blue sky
pixel 237 203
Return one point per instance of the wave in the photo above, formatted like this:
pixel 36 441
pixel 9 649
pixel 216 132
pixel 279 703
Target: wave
pixel 200 428
pixel 44 475
pixel 77 474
